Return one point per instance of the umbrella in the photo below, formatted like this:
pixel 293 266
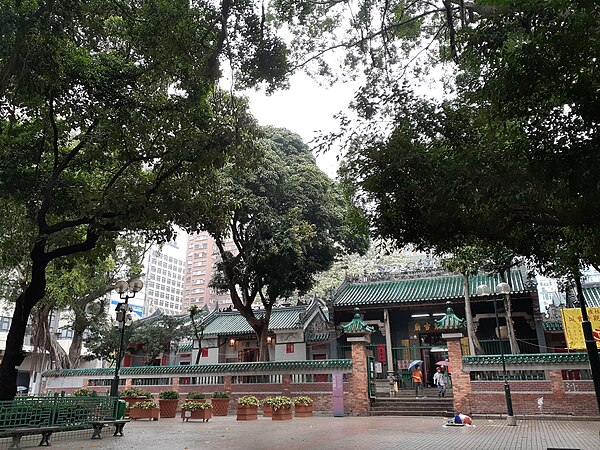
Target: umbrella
pixel 416 362
pixel 442 363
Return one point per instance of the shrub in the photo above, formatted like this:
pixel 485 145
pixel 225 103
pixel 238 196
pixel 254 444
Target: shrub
pixel 278 402
pixel 248 400
pixel 220 394
pixel 168 395
pixel 193 406
pixel 303 400
pixel 135 392
pixel 195 396
pixel 145 405
pixel 84 392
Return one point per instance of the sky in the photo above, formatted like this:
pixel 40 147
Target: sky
pixel 305 109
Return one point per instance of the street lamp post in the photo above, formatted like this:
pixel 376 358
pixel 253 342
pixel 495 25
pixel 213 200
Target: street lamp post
pixel 123 317
pixel 503 289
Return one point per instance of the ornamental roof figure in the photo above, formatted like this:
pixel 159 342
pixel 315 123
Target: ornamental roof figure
pixel 450 321
pixel 356 326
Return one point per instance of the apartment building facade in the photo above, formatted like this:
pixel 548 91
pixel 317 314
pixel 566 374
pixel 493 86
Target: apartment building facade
pixel 201 262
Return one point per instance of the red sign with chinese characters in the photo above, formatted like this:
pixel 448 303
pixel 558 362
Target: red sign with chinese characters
pixel 381 356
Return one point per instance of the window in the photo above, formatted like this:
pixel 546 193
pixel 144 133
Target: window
pixel 5 323
pixel 289 348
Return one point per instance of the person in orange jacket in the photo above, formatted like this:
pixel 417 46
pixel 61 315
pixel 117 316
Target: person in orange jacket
pixel 417 377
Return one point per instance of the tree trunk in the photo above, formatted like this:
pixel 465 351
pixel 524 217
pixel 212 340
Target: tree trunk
pixel 261 336
pixel 76 346
pixel 474 345
pixel 13 353
pixel 512 337
pixel 45 340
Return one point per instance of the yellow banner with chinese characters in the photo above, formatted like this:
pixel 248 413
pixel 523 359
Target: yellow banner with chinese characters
pixel 571 319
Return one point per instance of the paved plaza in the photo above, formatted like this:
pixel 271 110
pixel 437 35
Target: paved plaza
pixel 341 433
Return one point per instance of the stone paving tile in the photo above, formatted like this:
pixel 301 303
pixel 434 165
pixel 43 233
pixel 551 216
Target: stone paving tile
pixel 329 433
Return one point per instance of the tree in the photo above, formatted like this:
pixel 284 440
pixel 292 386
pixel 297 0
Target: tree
pixel 152 336
pixel 287 222
pixel 197 327
pixel 111 121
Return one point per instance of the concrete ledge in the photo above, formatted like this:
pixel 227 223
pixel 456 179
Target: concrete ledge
pixel 538 417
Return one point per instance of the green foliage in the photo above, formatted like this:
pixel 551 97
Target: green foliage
pixel 145 405
pixel 134 392
pixel 168 395
pixel 278 402
pixel 287 222
pixel 302 400
pixel 84 392
pixel 195 406
pixel 248 400
pixel 195 396
pixel 220 394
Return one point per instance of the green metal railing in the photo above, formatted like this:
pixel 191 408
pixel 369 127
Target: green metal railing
pixel 65 412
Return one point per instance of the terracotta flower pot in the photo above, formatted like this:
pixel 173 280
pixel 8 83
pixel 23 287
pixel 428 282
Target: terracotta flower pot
pixel 198 414
pixel 168 407
pixel 220 406
pixel 130 400
pixel 140 413
pixel 282 414
pixel 304 410
pixel 267 411
pixel 247 412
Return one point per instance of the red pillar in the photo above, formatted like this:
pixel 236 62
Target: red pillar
pixel 461 381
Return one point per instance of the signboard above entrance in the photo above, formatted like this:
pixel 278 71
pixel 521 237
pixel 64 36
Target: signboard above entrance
pixel 571 319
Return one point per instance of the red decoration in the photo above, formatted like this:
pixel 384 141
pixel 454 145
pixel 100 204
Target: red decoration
pixel 381 356
pixel 289 348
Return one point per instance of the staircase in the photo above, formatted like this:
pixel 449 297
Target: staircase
pixel 405 404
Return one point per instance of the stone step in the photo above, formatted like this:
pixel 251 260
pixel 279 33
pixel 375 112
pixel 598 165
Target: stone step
pixel 412 413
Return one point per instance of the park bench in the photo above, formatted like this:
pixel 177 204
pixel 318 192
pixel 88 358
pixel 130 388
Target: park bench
pixel 98 425
pixel 18 433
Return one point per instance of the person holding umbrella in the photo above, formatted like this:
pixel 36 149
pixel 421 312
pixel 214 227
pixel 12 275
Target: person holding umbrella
pixel 439 379
pixel 417 376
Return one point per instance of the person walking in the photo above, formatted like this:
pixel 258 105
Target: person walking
pixel 440 380
pixel 417 377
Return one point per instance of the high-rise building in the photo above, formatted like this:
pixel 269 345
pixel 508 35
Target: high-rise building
pixel 201 262
pixel 163 283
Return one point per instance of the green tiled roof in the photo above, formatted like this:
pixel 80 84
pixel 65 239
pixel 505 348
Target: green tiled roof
pixel 450 321
pixel 233 323
pixel 592 296
pixel 553 326
pixel 327 365
pixel 319 337
pixel 420 289
pixel 184 348
pixel 356 325
pixel 533 358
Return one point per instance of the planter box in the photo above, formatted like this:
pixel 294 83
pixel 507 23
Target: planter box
pixel 130 400
pixel 199 414
pixel 282 414
pixel 139 413
pixel 220 406
pixel 168 407
pixel 267 411
pixel 304 410
pixel 247 412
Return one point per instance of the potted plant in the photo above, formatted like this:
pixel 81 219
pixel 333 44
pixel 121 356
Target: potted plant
pixel 144 410
pixel 196 410
pixel 220 401
pixel 84 392
pixel 194 397
pixel 247 408
pixel 132 395
pixel 303 406
pixel 267 410
pixel 168 401
pixel 282 407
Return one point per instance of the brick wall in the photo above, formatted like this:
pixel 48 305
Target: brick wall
pixel 553 396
